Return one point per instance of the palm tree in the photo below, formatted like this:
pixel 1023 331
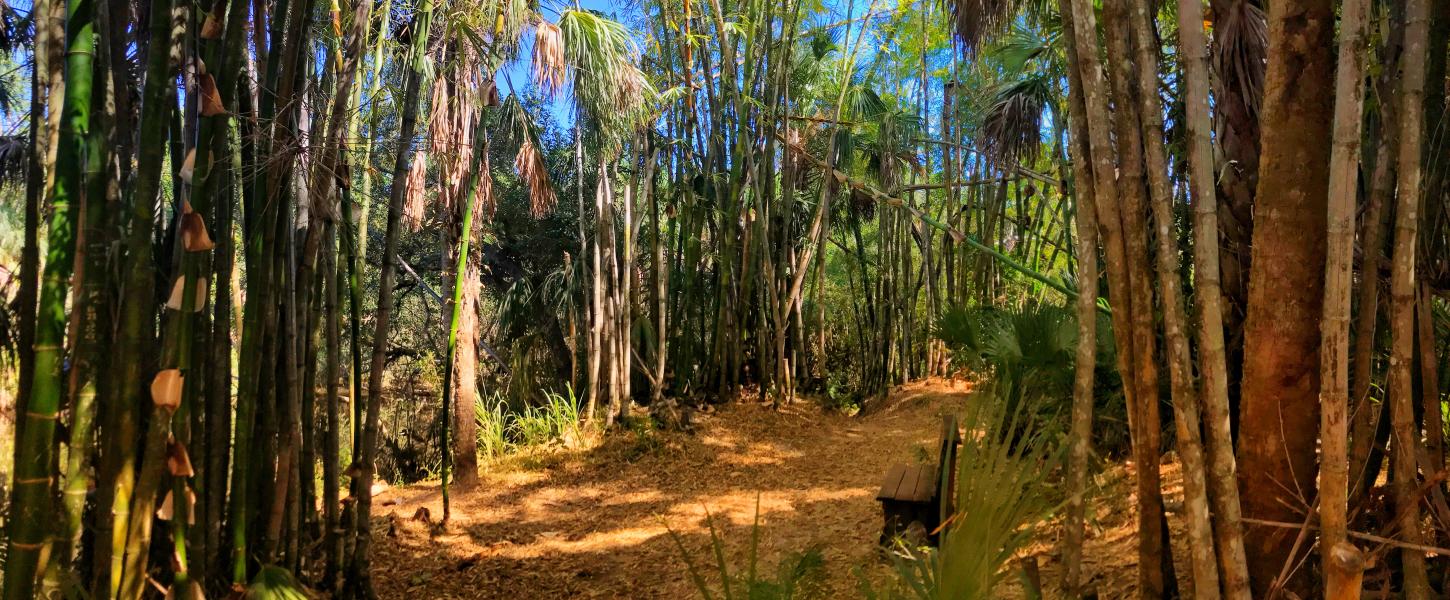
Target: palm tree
pixel 464 277
pixel 1279 421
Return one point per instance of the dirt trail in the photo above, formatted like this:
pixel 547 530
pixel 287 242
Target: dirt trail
pixel 593 524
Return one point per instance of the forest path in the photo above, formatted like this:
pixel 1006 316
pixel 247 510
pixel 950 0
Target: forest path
pixel 592 523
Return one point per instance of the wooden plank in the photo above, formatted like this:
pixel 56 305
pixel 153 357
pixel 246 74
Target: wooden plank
pixel 925 486
pixel 891 482
pixel 947 468
pixel 908 484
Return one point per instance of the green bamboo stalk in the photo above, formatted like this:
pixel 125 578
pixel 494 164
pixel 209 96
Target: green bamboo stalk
pixel 138 305
pixel 34 474
pixel 460 279
pixel 374 86
pixel 353 248
pixel 359 583
pixel 332 541
pixel 88 338
pixel 357 234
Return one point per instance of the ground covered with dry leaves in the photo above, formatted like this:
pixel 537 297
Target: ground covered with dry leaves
pixel 596 522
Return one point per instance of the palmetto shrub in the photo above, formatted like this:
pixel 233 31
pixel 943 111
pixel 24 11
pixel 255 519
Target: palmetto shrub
pixel 1001 495
pixel 1026 353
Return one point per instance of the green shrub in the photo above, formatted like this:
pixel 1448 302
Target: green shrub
pixel 1028 353
pixel 556 420
pixel 1001 495
pixel 502 431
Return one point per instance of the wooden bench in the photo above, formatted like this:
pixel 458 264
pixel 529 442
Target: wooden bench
pixel 916 493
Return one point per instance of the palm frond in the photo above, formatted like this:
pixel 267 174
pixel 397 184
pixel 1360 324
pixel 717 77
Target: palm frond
pixel 1012 128
pixel 529 161
pixel 978 20
pixel 550 70
pixel 415 199
pixel 1240 47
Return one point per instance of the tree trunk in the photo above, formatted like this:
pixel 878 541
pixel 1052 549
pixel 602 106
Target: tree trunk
pixel 1222 470
pixel 1280 408
pixel 1406 438
pixel 1085 359
pixel 34 473
pixel 460 381
pixel 1180 363
pixel 1121 207
pixel 1338 282
pixel 1368 414
pixel 1429 377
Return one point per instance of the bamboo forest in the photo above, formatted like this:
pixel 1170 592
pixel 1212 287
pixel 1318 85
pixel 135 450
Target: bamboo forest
pixel 724 299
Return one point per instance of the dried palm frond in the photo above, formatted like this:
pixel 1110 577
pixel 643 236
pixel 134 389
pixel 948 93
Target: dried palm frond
pixel 531 168
pixel 14 151
pixel 529 161
pixel 1241 44
pixel 550 70
pixel 484 204
pixel 451 126
pixel 1012 129
pixel 416 189
pixel 978 20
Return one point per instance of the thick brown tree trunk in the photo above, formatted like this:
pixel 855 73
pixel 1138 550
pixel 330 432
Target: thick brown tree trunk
pixel 465 386
pixel 1280 393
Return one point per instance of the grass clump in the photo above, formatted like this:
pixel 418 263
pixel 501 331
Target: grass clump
pixel 798 576
pixel 503 431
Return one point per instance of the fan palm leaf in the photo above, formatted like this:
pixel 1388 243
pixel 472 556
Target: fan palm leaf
pixel 1012 127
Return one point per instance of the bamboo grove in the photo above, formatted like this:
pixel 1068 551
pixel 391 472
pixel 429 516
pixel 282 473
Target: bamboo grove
pixel 275 253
